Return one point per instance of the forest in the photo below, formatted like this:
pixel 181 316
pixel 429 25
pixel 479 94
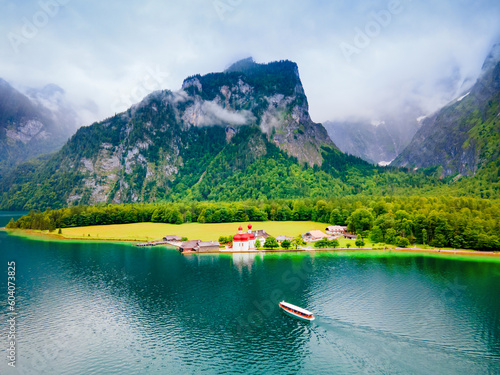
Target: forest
pixel 456 222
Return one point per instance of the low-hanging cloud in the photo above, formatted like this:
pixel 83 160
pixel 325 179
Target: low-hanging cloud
pixel 209 113
pixel 423 54
pixel 215 114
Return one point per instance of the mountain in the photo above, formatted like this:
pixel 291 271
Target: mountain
pixel 52 101
pixel 465 135
pixel 28 127
pixel 378 142
pixel 242 133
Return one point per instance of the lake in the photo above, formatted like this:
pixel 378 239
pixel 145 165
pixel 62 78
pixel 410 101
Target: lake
pixel 111 308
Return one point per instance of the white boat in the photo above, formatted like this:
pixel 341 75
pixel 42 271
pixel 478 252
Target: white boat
pixel 296 311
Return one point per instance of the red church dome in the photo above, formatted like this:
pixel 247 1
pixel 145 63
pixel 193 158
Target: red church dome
pixel 250 234
pixel 241 237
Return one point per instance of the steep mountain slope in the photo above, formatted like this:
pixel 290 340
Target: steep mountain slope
pixel 270 96
pixel 184 144
pixel 465 135
pixel 377 142
pixel 27 128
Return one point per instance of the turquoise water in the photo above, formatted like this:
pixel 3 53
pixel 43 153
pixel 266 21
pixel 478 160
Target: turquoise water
pixel 101 308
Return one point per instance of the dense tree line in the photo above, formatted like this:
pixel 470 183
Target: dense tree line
pixel 469 223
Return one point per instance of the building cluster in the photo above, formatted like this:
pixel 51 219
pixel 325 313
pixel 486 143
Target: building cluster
pixel 332 232
pixel 245 241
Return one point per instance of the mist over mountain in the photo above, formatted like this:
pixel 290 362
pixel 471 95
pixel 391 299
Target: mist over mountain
pixel 376 141
pixel 33 124
pixel 381 138
pixel 52 101
pixel 465 135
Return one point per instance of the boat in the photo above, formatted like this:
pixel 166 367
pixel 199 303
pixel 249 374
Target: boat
pixel 296 311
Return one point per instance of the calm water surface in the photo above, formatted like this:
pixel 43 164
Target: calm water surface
pixel 106 308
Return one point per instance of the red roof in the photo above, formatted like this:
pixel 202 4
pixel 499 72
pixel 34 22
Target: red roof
pixel 241 237
pixel 244 236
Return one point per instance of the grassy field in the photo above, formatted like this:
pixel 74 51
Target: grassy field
pixel 193 231
pixel 141 232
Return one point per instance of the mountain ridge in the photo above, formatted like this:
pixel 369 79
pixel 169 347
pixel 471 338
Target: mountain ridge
pixel 27 127
pixel 463 136
pixel 172 143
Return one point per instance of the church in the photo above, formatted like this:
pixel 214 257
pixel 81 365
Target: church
pixel 244 241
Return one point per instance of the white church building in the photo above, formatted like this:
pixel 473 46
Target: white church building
pixel 244 241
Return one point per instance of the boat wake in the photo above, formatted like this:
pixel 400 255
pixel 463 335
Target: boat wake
pixel 371 350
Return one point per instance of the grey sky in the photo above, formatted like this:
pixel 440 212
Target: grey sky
pixel 357 59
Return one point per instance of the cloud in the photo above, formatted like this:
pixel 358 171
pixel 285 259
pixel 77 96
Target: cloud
pixel 426 53
pixel 209 113
pixel 214 114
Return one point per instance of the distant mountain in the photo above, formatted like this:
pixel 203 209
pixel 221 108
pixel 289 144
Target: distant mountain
pixel 465 135
pixel 243 133
pixel 51 100
pixel 30 126
pixel 378 142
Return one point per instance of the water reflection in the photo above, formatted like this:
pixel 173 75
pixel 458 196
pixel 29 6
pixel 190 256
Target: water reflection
pixel 245 261
pixel 118 309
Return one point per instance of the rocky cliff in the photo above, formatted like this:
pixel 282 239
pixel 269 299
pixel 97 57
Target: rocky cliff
pixel 465 135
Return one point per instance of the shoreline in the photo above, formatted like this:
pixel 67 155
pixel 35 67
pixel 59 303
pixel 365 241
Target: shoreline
pixel 34 235
pixel 39 236
pixel 396 249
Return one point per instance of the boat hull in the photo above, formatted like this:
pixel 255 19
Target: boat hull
pixel 297 315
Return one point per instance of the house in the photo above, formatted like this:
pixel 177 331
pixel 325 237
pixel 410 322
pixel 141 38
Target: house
pixel 172 238
pixel 189 246
pixel 260 235
pixel 314 235
pixel 350 236
pixel 244 241
pixel 336 230
pixel 280 239
pixel 207 246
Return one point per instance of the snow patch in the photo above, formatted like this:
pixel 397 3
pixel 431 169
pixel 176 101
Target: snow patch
pixel 462 97
pixel 384 163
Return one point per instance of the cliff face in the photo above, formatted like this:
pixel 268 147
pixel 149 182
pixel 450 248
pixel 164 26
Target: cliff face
pixel 269 96
pixel 378 144
pixel 165 144
pixel 465 135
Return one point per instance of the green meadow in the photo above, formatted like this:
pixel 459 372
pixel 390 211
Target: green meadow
pixel 193 231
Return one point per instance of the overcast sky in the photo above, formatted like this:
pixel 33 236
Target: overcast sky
pixel 357 58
